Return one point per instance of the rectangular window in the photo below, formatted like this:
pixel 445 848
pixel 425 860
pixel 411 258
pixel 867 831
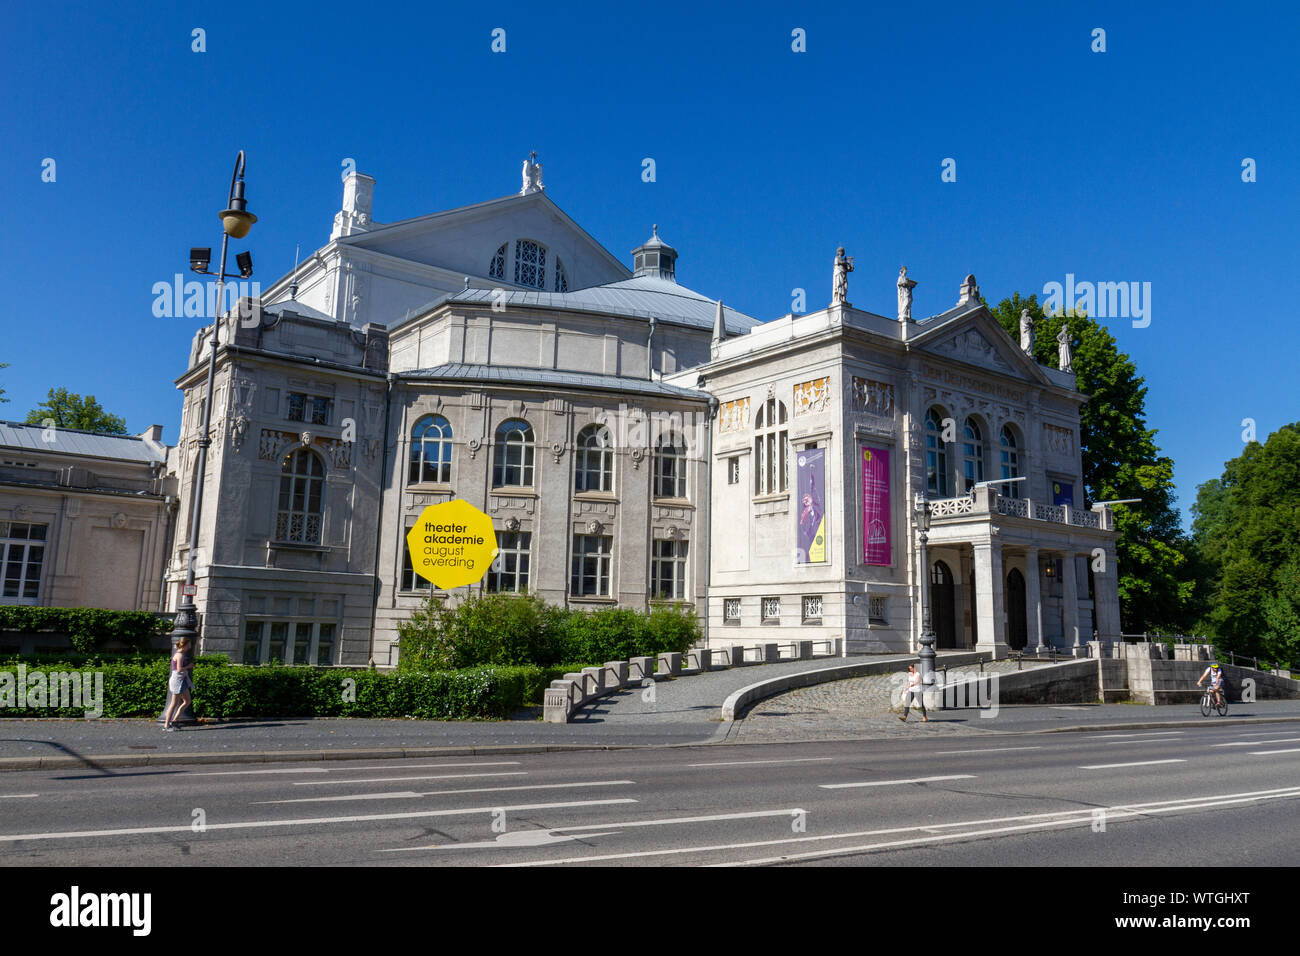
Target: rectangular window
pixel 286 642
pixel 876 605
pixel 309 408
pixel 274 650
pixel 771 609
pixel 301 642
pixel 731 611
pixel 733 470
pixel 297 406
pixel 812 607
pixel 668 569
pixel 410 580
pixel 509 572
pixel 591 563
pixel 22 555
pixel 325 644
pixel 320 411
pixel 253 641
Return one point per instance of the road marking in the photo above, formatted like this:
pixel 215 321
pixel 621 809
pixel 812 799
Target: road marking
pixel 447 776
pixel 891 783
pixel 17 796
pixel 406 794
pixel 1148 740
pixel 307 821
pixel 240 773
pixel 1137 763
pixel 437 766
pixel 747 763
pixel 1065 818
pixel 1154 733
pixel 1067 707
pixel 1266 753
pixel 1259 743
pixel 987 750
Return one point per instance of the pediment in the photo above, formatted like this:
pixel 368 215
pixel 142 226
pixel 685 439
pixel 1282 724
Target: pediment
pixel 976 338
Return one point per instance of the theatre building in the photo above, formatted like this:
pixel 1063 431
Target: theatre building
pixel 631 440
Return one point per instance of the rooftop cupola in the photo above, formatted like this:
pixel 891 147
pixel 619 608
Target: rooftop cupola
pixel 655 258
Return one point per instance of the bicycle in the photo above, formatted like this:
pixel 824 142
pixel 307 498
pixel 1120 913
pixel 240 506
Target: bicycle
pixel 1208 702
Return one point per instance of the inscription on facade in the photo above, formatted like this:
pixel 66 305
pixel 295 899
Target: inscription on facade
pixel 958 380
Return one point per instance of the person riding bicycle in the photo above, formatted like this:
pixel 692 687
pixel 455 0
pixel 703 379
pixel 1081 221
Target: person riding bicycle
pixel 1215 674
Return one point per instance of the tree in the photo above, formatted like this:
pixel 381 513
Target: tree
pixel 1121 460
pixel 69 410
pixel 1247 534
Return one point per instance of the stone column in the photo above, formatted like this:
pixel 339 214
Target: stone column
pixel 1033 601
pixel 988 597
pixel 1070 600
pixel 1106 596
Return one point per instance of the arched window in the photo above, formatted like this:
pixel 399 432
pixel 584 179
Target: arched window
pixel 302 489
pixel 936 455
pixel 561 276
pixel 670 466
pixel 594 460
pixel 513 458
pixel 972 454
pixel 530 263
pixel 1010 462
pixel 498 268
pixel 431 450
pixel 770 448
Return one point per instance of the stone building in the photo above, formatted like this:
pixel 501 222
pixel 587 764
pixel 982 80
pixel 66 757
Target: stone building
pixel 630 439
pixel 85 518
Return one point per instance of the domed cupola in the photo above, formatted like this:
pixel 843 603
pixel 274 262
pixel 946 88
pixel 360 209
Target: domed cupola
pixel 655 258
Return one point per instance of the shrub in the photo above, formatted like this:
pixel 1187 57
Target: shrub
pixel 86 627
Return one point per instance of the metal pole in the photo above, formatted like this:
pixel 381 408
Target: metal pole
pixel 926 655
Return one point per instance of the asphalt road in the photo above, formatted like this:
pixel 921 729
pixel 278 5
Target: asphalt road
pixel 1110 798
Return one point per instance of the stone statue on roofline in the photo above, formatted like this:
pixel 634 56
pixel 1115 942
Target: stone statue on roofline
pixel 843 266
pixel 1063 344
pixel 532 176
pixel 1026 333
pixel 905 287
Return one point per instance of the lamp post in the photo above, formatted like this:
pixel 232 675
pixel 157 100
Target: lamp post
pixel 236 220
pixel 926 654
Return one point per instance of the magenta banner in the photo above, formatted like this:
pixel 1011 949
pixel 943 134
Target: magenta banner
pixel 875 506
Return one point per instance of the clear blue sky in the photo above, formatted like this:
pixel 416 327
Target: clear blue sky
pixel 1115 166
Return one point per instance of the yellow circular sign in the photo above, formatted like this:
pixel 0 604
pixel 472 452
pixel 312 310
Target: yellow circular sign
pixel 452 544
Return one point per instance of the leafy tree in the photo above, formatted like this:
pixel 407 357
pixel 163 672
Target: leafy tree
pixel 70 410
pixel 1247 533
pixel 1121 460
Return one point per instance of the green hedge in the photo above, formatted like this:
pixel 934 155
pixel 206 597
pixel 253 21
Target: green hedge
pixel 519 629
pixel 224 691
pixel 87 627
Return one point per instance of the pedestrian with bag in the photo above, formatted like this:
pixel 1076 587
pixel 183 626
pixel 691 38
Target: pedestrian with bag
pixel 913 689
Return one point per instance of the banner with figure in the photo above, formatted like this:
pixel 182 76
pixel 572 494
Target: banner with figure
pixel 875 506
pixel 811 474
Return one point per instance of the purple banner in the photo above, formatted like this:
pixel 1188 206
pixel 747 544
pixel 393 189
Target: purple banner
pixel 1062 493
pixel 875 507
pixel 811 475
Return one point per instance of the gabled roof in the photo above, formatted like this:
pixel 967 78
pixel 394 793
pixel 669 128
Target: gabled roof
pixel 993 341
pixel 639 297
pixel 71 441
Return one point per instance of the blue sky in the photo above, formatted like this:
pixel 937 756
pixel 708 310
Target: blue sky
pixel 1117 166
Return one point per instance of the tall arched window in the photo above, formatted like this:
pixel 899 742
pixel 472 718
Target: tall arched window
pixel 670 466
pixel 1010 462
pixel 594 460
pixel 771 441
pixel 972 454
pixel 498 268
pixel 431 450
pixel 302 489
pixel 936 455
pixel 530 263
pixel 512 462
pixel 561 276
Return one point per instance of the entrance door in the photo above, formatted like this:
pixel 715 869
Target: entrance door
pixel 1017 619
pixel 943 614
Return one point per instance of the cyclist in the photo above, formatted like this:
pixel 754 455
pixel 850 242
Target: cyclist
pixel 1215 674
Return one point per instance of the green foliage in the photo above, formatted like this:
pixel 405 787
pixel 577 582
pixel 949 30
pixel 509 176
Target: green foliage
pixel 222 691
pixel 1157 580
pixel 1247 532
pixel 88 628
pixel 70 410
pixel 510 629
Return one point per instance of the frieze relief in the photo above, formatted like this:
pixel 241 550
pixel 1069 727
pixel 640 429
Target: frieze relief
pixel 1058 440
pixel 813 396
pixel 526 505
pixel 734 416
pixel 868 395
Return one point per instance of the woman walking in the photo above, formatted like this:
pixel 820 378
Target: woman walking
pixel 180 683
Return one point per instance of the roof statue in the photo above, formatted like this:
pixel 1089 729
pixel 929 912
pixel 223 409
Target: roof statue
pixel 532 176
pixel 1063 344
pixel 905 287
pixel 843 266
pixel 1026 333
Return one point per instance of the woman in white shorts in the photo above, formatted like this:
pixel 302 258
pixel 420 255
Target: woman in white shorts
pixel 180 684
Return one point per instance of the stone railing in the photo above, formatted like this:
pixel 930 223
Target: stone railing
pixel 986 500
pixel 1087 519
pixel 1050 513
pixel 1016 507
pixel 574 691
pixel 951 507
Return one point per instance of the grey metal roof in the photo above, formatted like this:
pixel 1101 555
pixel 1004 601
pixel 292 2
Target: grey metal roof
pixel 640 296
pixel 302 308
pixel 69 441
pixel 515 375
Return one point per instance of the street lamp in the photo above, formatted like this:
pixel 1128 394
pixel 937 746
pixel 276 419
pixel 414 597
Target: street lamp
pixel 926 654
pixel 236 220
